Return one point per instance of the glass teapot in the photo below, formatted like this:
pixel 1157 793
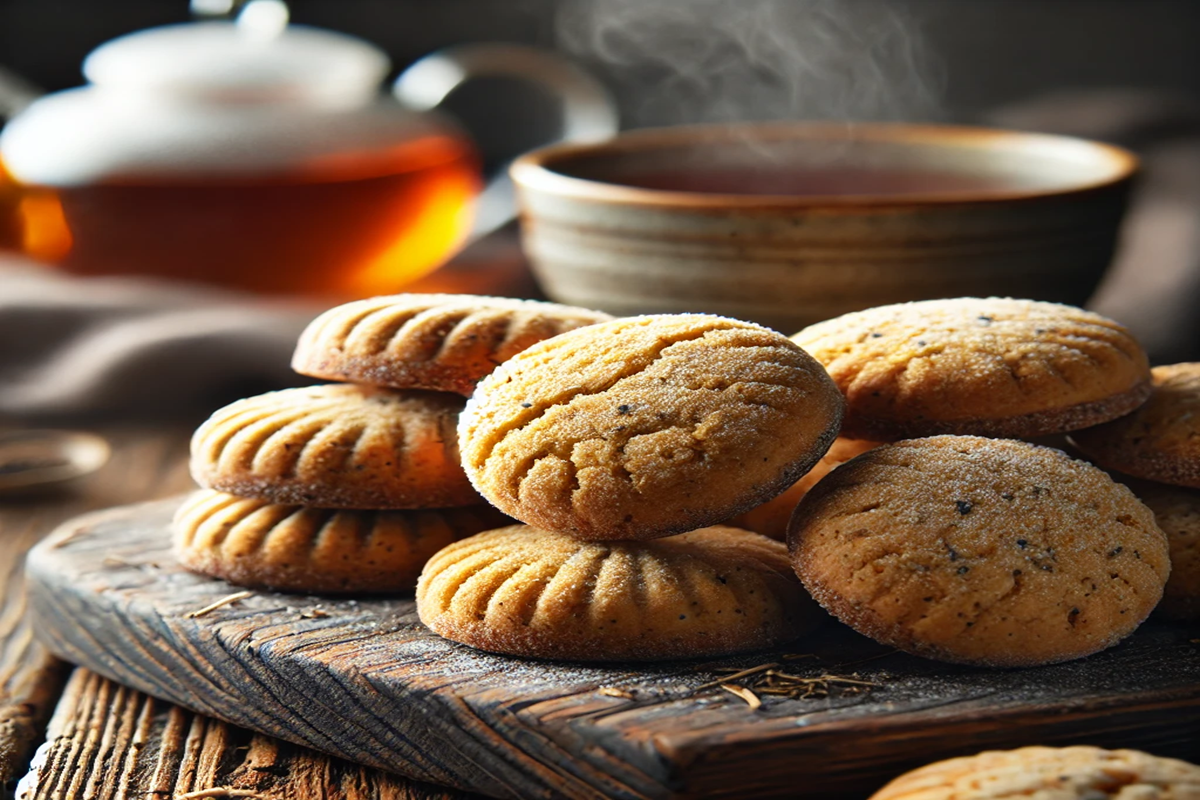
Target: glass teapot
pixel 261 155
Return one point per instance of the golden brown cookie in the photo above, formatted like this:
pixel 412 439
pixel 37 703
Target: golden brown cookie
pixel 1177 512
pixel 257 543
pixel 336 446
pixel 1159 441
pixel 771 518
pixel 445 342
pixel 647 426
pixel 1049 773
pixel 986 367
pixel 528 592
pixel 980 551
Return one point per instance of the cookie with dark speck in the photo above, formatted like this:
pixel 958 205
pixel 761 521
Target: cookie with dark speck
pixel 528 592
pixel 1177 511
pixel 980 551
pixel 647 426
pixel 1160 441
pixel 1049 773
pixel 336 446
pixel 256 543
pixel 444 342
pixel 986 367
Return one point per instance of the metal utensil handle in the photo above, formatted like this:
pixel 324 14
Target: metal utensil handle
pixel 589 112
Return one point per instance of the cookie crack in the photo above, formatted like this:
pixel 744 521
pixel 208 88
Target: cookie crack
pixel 572 393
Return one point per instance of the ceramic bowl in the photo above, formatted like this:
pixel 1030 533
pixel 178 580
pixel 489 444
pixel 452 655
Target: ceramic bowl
pixel 789 224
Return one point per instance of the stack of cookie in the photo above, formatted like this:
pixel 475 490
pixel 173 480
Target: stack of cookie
pixel 351 487
pixel 1160 444
pixel 980 367
pixel 959 545
pixel 617 445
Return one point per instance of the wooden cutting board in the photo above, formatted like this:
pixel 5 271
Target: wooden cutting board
pixel 362 679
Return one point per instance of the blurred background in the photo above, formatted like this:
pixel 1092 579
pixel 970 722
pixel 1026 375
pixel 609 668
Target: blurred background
pixel 1113 70
pixel 981 54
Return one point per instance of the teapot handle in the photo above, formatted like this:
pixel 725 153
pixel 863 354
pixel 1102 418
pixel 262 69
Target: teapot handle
pixel 589 113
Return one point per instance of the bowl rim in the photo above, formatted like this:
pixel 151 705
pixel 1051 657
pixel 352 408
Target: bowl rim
pixel 535 170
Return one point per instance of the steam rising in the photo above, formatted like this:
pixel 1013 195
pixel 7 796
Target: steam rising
pixel 676 61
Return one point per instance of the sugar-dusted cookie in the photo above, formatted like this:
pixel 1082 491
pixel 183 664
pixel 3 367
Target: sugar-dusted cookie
pixel 445 342
pixel 771 518
pixel 647 426
pixel 1159 441
pixel 530 592
pixel 980 551
pixel 257 543
pixel 1049 773
pixel 986 367
pixel 1177 512
pixel 336 446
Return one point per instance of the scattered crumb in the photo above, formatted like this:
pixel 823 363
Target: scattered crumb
pixel 74 532
pixel 117 561
pixel 737 675
pixel 612 691
pixel 768 679
pixel 314 613
pixel 224 601
pixel 741 691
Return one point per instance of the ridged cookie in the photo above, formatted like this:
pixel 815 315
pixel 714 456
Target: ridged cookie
pixel 1177 512
pixel 443 342
pixel 529 592
pixel 980 551
pixel 336 446
pixel 986 367
pixel 1049 773
pixel 1159 441
pixel 647 426
pixel 256 543
pixel 771 518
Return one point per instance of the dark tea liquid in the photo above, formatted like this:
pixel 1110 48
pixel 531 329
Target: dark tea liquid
pixel 809 181
pixel 351 226
pixel 10 221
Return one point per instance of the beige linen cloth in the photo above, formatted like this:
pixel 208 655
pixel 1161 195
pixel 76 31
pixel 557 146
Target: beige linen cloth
pixel 121 347
pixel 79 348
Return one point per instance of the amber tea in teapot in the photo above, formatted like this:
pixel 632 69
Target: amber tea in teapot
pixel 212 152
pixel 355 227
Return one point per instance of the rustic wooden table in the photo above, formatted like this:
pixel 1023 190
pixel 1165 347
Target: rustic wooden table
pixel 100 740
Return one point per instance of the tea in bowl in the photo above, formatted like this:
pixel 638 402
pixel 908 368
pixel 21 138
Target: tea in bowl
pixel 790 223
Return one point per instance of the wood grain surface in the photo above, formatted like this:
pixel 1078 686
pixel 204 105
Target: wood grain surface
pixel 143 466
pixel 365 681
pixel 108 741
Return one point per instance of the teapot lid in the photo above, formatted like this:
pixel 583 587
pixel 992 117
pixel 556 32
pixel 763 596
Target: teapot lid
pixel 236 60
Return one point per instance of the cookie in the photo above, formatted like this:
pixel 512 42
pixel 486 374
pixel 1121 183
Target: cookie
pixel 771 518
pixel 336 446
pixel 260 544
pixel 1049 773
pixel 523 591
pixel 1159 441
pixel 980 551
pixel 443 342
pixel 1177 512
pixel 647 426
pixel 986 367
